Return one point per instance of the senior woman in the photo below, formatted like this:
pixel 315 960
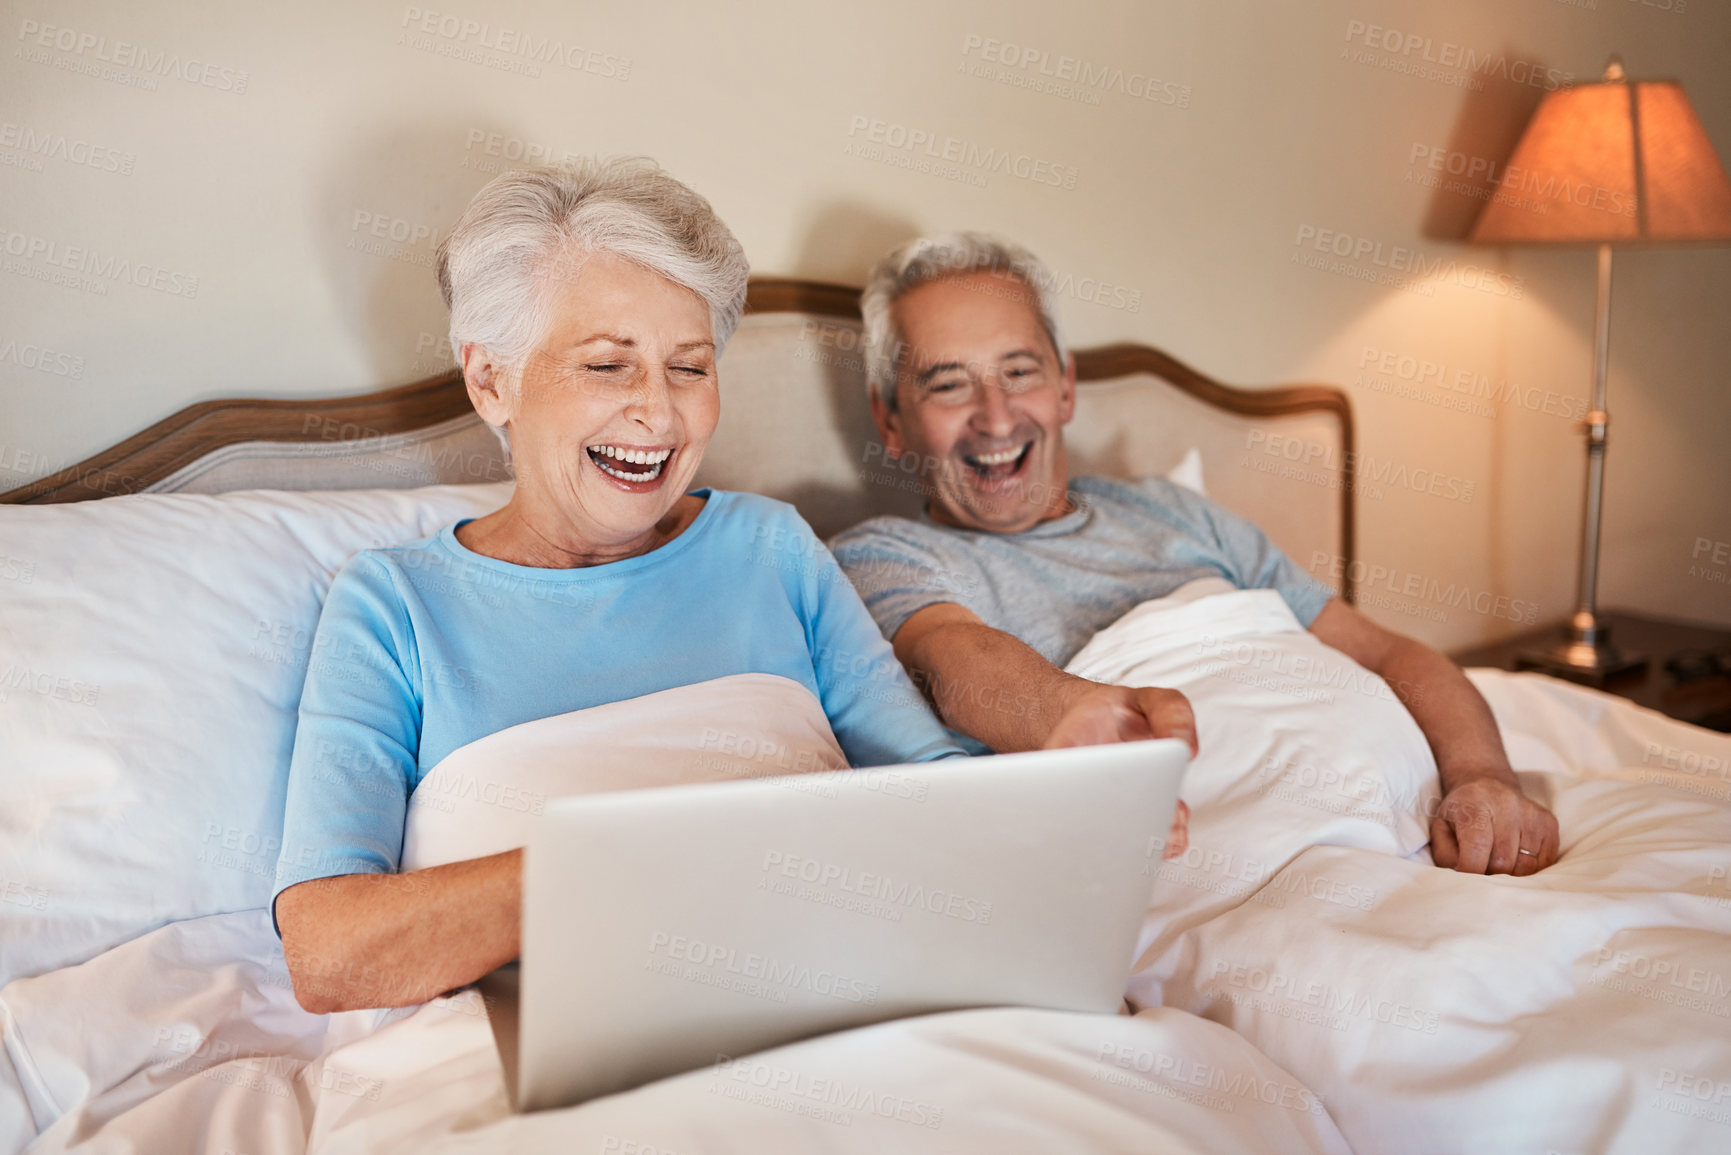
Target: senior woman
pixel 589 304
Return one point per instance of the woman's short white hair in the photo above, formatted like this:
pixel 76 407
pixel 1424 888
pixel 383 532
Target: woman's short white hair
pixel 928 259
pixel 495 266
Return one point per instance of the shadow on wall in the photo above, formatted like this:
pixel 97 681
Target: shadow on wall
pixel 799 428
pixel 382 208
pixel 1486 130
pixel 1466 175
pixel 842 243
pixel 850 239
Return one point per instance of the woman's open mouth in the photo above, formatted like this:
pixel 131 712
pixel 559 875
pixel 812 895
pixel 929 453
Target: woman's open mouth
pixel 999 464
pixel 634 469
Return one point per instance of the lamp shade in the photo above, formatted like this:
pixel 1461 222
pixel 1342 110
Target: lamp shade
pixel 1615 161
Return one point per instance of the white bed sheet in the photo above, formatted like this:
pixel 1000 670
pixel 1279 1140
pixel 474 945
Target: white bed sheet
pixel 1586 1008
pixel 1581 1010
pixel 214 1056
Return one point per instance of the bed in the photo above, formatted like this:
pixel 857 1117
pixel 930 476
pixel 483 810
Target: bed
pixel 1306 980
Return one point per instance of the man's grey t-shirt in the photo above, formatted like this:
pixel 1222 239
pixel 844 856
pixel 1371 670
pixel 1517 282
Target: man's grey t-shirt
pixel 1057 584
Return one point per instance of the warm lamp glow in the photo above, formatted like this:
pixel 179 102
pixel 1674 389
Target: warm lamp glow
pixel 1618 162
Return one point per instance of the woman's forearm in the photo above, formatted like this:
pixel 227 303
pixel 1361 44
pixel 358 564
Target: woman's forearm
pixel 390 940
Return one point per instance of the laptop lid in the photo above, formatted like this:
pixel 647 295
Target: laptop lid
pixel 665 928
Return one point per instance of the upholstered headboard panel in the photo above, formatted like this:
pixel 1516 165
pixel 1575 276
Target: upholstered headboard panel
pixel 1136 425
pixel 461 449
pixel 794 425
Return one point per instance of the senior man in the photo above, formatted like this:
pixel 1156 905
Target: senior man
pixel 1014 564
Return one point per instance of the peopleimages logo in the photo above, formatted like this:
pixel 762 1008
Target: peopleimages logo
pixel 1367 578
pixel 963 154
pixel 137 57
pixel 1325 997
pixel 879 887
pixel 1359 467
pixel 1188 1072
pixel 779 1082
pixel 1086 76
pixel 42 360
pixel 1476 385
pixel 106 266
pixel 1400 259
pixel 1541 190
pixel 44 144
pixel 1413 51
pixel 780 975
pixel 67 689
pixel 512 45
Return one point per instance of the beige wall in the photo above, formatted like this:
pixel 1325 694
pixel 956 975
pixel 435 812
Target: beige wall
pixel 1225 134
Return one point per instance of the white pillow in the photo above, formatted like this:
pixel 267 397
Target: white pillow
pixel 1188 472
pixel 1300 745
pixel 152 650
pixel 482 798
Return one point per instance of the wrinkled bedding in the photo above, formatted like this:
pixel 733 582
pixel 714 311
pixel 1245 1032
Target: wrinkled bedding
pixel 1586 1008
pixel 189 1039
pixel 1306 979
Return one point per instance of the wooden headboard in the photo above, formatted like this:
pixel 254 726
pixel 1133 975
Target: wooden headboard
pixel 427 432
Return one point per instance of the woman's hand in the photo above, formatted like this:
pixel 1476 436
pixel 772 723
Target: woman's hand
pixel 393 940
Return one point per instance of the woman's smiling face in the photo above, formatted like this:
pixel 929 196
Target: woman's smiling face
pixel 613 410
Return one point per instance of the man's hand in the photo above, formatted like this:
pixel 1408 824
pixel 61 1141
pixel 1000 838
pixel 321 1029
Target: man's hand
pixel 1100 714
pixel 1103 714
pixel 1483 825
pixel 953 656
pixel 996 689
pixel 1485 821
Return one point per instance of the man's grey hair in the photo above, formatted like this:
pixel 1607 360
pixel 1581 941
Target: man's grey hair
pixel 517 235
pixel 927 259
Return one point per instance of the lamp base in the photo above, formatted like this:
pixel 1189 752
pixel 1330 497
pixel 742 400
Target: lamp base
pixel 1583 654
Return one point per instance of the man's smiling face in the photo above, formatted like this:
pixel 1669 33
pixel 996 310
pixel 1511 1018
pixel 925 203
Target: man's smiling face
pixel 981 403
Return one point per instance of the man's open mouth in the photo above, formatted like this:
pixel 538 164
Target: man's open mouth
pixel 999 463
pixel 630 464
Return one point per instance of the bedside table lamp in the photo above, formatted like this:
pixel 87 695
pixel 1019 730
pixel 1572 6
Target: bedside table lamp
pixel 1614 162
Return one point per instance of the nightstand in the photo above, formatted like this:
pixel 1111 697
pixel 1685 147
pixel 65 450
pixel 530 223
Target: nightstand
pixel 1705 702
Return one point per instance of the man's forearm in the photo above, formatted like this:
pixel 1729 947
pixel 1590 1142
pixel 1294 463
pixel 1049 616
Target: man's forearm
pixel 386 940
pixel 989 685
pixel 1453 715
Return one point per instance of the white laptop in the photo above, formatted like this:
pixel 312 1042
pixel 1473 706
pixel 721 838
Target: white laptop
pixel 665 928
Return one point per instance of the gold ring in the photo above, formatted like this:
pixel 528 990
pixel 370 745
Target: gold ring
pixel 1528 853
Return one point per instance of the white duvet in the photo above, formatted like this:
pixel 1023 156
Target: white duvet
pixel 1314 968
pixel 1586 1008
pixel 215 1056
